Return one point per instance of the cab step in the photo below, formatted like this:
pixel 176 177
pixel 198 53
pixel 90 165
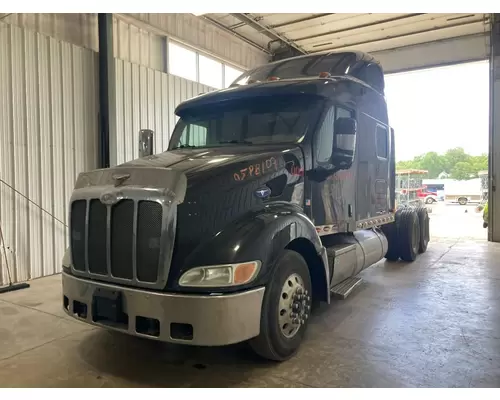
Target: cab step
pixel 345 288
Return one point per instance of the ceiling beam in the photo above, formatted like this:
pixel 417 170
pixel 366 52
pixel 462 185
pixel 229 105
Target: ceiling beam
pixel 269 32
pixel 398 36
pixel 236 34
pixel 352 28
pixel 296 21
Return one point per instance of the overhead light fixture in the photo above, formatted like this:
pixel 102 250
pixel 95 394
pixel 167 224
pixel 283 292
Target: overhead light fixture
pixel 198 14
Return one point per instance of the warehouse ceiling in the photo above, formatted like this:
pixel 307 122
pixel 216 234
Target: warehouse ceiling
pixel 439 38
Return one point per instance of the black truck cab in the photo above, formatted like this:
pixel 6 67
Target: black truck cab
pixel 273 193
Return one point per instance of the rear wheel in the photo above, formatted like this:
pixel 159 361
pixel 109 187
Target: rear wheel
pixel 429 200
pixel 462 201
pixel 285 309
pixel 423 220
pixel 409 235
pixel 391 233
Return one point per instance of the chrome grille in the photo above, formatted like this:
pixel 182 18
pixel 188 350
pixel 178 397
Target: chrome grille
pixel 120 242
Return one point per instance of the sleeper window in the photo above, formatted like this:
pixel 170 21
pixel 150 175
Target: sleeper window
pixel 382 141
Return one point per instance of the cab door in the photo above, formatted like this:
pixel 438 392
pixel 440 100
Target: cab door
pixel 373 162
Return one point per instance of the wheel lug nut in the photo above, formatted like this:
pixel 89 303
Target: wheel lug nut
pixel 293 315
pixel 295 321
pixel 308 308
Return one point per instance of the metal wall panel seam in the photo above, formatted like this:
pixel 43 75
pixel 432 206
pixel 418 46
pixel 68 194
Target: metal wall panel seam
pixel 128 117
pixel 68 136
pixel 120 142
pixel 20 160
pixel 6 156
pixel 143 87
pixel 150 124
pixel 158 112
pixel 136 116
pixel 165 107
pixel 47 239
pixel 33 155
pixel 58 185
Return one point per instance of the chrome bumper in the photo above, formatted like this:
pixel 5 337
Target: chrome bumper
pixel 201 320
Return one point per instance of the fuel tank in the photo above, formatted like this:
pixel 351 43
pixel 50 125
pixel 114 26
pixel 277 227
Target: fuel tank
pixel 349 254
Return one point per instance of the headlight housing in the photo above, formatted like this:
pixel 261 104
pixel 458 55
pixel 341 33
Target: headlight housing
pixel 221 275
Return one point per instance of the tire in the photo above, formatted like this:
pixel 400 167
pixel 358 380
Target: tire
pixel 391 233
pixel 272 343
pixel 423 220
pixel 429 200
pixel 409 235
pixel 462 201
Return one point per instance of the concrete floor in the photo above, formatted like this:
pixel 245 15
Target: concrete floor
pixel 454 221
pixel 432 323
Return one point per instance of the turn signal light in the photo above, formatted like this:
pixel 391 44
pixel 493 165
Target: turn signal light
pixel 244 273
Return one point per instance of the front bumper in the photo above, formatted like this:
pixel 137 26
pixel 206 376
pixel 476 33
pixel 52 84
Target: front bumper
pixel 188 319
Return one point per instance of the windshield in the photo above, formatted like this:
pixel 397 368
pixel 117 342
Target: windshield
pixel 256 120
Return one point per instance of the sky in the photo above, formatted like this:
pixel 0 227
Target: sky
pixel 439 108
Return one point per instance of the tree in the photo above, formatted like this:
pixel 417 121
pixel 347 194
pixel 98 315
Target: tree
pixel 433 163
pixel 454 156
pixel 462 171
pixel 455 162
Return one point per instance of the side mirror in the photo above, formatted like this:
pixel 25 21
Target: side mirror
pixel 344 143
pixel 146 143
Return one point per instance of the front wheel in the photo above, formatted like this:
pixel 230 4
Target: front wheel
pixel 285 309
pixel 429 200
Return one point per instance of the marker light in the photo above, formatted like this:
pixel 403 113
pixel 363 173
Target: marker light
pixel 220 275
pixel 273 78
pixel 324 75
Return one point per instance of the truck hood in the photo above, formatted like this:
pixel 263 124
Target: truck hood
pixel 203 162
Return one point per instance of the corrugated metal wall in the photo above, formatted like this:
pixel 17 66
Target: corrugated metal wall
pixel 48 126
pixel 138 45
pixel 49 123
pixel 146 99
pixel 196 32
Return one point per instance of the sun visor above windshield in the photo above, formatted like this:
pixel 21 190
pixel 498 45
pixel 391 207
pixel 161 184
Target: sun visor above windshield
pixel 356 64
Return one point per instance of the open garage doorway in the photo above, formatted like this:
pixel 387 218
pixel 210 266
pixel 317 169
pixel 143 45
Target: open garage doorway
pixel 440 118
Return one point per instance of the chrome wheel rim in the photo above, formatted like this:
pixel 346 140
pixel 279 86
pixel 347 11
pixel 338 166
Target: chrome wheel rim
pixel 294 306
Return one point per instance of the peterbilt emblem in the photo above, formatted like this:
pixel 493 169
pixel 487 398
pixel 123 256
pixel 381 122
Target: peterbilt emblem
pixel 120 178
pixel 263 192
pixel 109 198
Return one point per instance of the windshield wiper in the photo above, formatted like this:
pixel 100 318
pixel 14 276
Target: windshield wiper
pixel 184 146
pixel 235 142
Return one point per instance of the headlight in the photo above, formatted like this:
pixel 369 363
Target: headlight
pixel 220 275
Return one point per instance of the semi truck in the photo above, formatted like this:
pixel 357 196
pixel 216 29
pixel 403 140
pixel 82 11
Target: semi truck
pixel 273 195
